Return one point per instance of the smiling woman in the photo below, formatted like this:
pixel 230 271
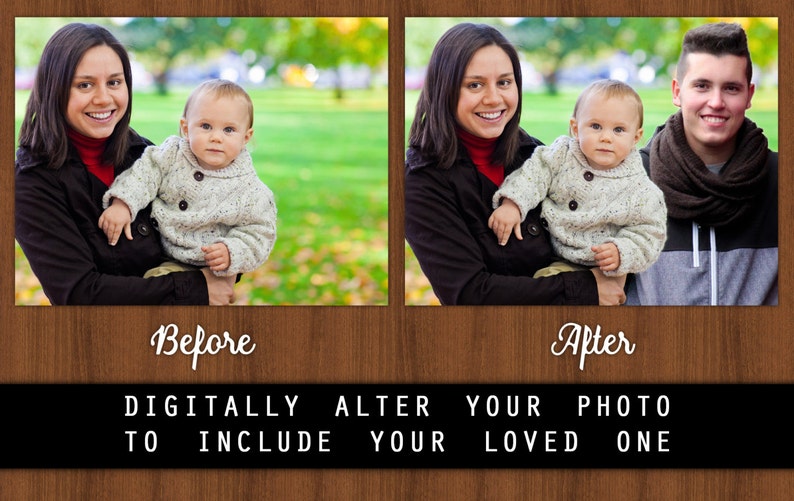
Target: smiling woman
pixel 74 139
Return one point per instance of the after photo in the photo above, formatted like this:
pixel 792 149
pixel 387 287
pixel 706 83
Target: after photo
pixel 591 161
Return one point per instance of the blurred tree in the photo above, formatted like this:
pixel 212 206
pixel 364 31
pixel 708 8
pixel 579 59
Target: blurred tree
pixel 551 42
pixel 159 41
pixel 323 42
pixel 330 42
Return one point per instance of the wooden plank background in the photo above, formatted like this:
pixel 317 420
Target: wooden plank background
pixel 395 343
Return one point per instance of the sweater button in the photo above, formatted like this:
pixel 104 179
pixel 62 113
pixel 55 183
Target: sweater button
pixel 198 176
pixel 588 176
pixel 182 205
pixel 544 222
pixel 143 229
pixel 573 205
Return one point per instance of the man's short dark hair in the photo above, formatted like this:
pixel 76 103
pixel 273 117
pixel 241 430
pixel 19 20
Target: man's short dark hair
pixel 717 39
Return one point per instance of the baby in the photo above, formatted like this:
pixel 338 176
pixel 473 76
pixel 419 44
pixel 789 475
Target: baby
pixel 208 203
pixel 599 204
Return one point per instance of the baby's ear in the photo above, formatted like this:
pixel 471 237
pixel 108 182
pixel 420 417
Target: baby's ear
pixel 638 136
pixel 573 128
pixel 183 127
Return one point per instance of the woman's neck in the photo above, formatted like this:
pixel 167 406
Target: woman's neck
pixel 89 144
pixel 92 151
pixel 476 142
pixel 481 153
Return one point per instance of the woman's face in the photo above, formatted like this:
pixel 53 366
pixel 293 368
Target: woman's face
pixel 98 95
pixel 488 93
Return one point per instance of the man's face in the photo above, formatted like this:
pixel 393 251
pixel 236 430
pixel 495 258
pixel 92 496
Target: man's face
pixel 713 96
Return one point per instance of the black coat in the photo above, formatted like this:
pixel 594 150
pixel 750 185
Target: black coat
pixel 56 217
pixel 446 225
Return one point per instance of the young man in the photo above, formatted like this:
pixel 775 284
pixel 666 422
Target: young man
pixel 719 180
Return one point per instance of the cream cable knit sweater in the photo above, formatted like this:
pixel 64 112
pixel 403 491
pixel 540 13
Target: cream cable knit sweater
pixel 194 206
pixel 585 206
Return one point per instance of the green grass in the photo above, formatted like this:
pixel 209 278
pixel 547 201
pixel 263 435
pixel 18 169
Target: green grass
pixel 326 161
pixel 546 117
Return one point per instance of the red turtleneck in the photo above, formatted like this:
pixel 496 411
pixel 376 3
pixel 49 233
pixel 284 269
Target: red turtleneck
pixel 481 150
pixel 91 151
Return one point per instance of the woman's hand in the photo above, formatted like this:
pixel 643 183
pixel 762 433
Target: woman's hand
pixel 220 289
pixel 610 289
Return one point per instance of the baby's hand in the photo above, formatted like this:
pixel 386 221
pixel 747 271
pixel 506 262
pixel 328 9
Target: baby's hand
pixel 504 220
pixel 114 220
pixel 607 256
pixel 217 256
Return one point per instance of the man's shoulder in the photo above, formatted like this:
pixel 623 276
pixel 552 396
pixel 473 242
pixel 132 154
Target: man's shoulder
pixel 771 160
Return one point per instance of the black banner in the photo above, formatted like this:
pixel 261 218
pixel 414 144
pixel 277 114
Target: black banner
pixel 397 426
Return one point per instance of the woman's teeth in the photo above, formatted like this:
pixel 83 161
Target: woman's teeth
pixel 490 116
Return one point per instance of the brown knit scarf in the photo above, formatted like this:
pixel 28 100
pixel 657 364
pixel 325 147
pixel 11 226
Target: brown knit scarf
pixel 692 191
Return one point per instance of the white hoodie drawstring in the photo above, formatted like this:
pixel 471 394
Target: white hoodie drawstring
pixel 713 246
pixel 712 253
pixel 695 245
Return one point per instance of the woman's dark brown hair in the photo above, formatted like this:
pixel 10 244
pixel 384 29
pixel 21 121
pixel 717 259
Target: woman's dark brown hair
pixel 43 129
pixel 433 128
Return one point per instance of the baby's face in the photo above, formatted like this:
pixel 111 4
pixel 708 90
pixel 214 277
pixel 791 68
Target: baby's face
pixel 217 129
pixel 607 130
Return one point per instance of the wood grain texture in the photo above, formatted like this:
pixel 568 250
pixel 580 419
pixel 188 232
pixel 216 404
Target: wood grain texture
pixel 396 343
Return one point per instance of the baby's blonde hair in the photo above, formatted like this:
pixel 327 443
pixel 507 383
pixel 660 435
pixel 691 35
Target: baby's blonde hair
pixel 219 87
pixel 609 88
